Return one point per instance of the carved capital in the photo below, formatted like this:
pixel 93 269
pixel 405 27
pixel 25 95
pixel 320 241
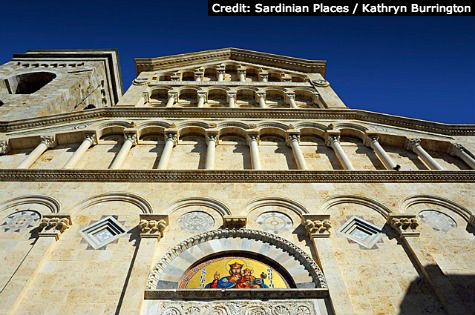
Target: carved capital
pixel 234 222
pixel 49 141
pixel 91 137
pixel 370 138
pixel 404 224
pixel 173 94
pixel 4 147
pixel 332 137
pixel 455 149
pixel 131 135
pixel 411 144
pixel 293 137
pixel 231 94
pixel 252 136
pixel 202 95
pixel 54 225
pixel 317 225
pixel 212 135
pixel 171 136
pixel 290 95
pixel 152 225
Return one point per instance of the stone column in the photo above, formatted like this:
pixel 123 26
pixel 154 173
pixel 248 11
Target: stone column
pixel 373 143
pixel 4 147
pixel 151 230
pixel 130 140
pixel 293 140
pixel 90 139
pixel 171 139
pixel 201 99
pixel 220 74
pixel 415 146
pixel 199 75
pixel 254 150
pixel 333 140
pixel 406 227
pixel 318 230
pixel 242 75
pixel 211 139
pixel 232 99
pixel 45 143
pixel 291 97
pixel 459 151
pixel 263 76
pixel 172 97
pixel 50 229
pixel 261 99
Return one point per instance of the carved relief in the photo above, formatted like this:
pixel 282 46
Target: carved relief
pixel 196 221
pixel 54 225
pixel 20 221
pixel 274 222
pixel 404 224
pixel 152 225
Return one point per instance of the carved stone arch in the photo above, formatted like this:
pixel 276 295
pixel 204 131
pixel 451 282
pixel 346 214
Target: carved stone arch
pixel 372 204
pixel 237 124
pixel 220 207
pixel 111 127
pixel 152 127
pixel 277 201
pixel 133 199
pixel 352 130
pixel 50 203
pixel 439 201
pixel 193 123
pixel 311 129
pixel 28 82
pixel 303 270
pixel 272 124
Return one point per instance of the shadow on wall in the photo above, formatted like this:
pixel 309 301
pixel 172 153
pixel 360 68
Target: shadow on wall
pixel 419 298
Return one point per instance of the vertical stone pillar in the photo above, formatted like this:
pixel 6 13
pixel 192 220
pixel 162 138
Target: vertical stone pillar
pixel 459 151
pixel 263 75
pixel 373 143
pixel 146 97
pixel 171 139
pixel 90 139
pixel 252 139
pixel 242 75
pixel 172 97
pixel 130 136
pixel 333 140
pixel 4 147
pixel 201 99
pixel 199 73
pixel 293 139
pixel 151 230
pixel 261 100
pixel 50 229
pixel 46 142
pixel 211 139
pixel 221 70
pixel 232 99
pixel 406 227
pixel 318 230
pixel 415 146
pixel 291 97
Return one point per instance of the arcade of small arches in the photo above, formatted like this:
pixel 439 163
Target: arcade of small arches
pixel 128 135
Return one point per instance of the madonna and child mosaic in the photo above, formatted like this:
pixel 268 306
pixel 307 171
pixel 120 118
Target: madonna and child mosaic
pixel 232 272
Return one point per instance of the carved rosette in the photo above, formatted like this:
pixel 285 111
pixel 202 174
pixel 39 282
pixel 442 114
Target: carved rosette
pixel 152 225
pixel 404 224
pixel 53 225
pixel 317 226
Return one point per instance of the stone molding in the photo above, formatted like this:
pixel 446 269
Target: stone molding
pixel 53 225
pixel 237 113
pixel 152 225
pixel 244 294
pixel 157 84
pixel 317 225
pixel 234 176
pixel 52 204
pixel 310 265
pixel 404 224
pixel 234 222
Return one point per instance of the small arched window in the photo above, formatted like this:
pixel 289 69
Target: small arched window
pixel 28 83
pixel 90 106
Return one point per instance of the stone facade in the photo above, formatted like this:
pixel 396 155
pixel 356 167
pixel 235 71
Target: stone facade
pixel 223 152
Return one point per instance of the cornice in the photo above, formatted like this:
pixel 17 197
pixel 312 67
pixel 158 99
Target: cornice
pixel 235 176
pixel 233 113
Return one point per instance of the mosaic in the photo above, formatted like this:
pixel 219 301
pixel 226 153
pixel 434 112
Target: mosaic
pixel 437 220
pixel 274 222
pixel 196 221
pixel 232 272
pixel 21 220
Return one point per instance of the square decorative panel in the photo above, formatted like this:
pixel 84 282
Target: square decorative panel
pixel 361 232
pixel 103 232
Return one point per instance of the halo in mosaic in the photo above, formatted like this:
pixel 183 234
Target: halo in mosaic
pixel 274 222
pixel 196 221
pixel 20 221
pixel 437 220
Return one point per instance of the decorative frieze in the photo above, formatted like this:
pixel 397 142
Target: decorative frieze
pixel 317 225
pixel 404 224
pixel 152 225
pixel 54 225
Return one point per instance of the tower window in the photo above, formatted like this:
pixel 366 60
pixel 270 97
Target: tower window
pixel 28 83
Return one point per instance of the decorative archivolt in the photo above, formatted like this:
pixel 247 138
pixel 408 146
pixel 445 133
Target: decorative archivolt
pixel 218 206
pixel 52 204
pixel 445 203
pixel 293 250
pixel 279 202
pixel 370 203
pixel 137 201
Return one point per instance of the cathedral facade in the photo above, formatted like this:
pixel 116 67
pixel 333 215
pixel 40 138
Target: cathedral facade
pixel 228 182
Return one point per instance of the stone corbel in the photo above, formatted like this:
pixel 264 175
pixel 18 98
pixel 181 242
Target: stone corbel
pixel 53 225
pixel 404 224
pixel 152 225
pixel 234 222
pixel 4 147
pixel 317 225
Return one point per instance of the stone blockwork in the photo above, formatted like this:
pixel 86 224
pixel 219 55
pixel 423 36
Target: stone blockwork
pixel 109 209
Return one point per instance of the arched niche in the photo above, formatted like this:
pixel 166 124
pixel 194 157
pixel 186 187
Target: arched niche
pixel 28 83
pixel 302 270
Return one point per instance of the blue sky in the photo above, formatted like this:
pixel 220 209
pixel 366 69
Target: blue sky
pixel 421 67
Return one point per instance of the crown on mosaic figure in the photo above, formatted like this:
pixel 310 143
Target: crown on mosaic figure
pixel 236 265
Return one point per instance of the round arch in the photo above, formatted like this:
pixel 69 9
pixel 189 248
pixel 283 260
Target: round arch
pixel 372 204
pixel 277 201
pixel 52 204
pixel 136 200
pixel 220 207
pixel 445 203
